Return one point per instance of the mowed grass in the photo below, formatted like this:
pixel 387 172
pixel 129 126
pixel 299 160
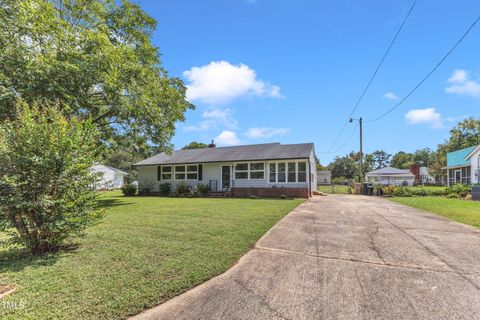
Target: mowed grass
pixel 337 189
pixel 467 212
pixel 146 251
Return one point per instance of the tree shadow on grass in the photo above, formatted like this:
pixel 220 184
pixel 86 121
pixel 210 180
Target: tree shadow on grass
pixel 111 202
pixel 16 259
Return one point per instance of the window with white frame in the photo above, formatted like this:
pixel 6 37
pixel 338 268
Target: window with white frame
pixel 192 172
pixel 292 175
pixel 302 172
pixel 288 172
pixel 186 172
pixel 281 172
pixel 241 171
pixel 257 171
pixel 179 172
pixel 273 173
pixel 166 172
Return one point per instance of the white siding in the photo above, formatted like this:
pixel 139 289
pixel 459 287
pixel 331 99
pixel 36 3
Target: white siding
pixel 147 175
pixel 108 178
pixel 475 167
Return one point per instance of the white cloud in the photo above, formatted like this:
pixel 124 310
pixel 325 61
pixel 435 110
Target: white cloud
pixel 266 132
pixel 460 83
pixel 214 118
pixel 221 82
pixel 428 116
pixel 390 95
pixel 227 138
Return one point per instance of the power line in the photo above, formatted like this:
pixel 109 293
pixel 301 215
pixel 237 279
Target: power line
pixel 348 140
pixel 430 73
pixel 374 74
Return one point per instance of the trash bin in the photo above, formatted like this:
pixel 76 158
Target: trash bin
pixel 370 189
pixel 367 189
pixel 476 193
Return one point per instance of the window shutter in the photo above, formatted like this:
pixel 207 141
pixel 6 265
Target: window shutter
pixel 200 172
pixel 159 173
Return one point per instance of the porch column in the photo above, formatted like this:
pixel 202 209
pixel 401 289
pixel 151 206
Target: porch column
pixel 448 177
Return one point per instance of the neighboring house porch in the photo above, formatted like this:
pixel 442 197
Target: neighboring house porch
pixel 463 166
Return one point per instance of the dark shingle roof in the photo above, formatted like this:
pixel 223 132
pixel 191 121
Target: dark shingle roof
pixel 269 151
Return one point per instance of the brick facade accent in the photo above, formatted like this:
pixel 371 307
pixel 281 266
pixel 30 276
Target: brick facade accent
pixel 271 192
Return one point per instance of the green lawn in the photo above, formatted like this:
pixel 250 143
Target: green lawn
pixel 463 211
pixel 146 250
pixel 334 189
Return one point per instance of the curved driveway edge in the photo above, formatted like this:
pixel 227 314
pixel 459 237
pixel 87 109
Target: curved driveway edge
pixel 345 257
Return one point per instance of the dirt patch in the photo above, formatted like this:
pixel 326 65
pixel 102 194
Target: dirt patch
pixel 6 289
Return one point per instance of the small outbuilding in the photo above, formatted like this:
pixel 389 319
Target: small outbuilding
pixel 110 178
pixel 391 176
pixel 324 177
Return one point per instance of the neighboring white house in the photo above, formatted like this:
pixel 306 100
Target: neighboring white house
pixel 261 169
pixel 425 176
pixel 463 166
pixel 110 178
pixel 391 176
pixel 324 177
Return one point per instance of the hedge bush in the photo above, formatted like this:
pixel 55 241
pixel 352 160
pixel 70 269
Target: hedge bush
pixel 129 190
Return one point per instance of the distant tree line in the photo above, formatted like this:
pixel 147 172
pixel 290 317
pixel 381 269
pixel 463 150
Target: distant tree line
pixel 463 135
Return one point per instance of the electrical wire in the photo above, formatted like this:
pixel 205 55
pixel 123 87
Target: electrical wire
pixel 428 74
pixel 374 74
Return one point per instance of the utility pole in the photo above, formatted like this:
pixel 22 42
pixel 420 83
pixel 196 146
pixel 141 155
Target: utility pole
pixel 361 147
pixel 360 121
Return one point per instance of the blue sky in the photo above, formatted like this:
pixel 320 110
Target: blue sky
pixel 291 71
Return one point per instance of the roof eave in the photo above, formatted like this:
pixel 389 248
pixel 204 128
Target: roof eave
pixel 219 161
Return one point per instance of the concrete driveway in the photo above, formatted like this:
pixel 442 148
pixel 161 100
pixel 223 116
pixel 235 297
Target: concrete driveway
pixel 346 257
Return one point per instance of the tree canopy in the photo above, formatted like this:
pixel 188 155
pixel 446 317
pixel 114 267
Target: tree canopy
pixel 195 145
pixel 91 59
pixel 465 134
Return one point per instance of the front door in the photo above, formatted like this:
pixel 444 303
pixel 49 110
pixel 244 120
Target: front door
pixel 226 177
pixel 458 176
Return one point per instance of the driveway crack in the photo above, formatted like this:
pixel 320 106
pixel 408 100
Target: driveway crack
pixel 372 242
pixel 263 302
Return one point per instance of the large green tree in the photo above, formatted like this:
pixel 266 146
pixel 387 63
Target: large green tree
pixel 345 167
pixel 47 191
pixel 92 59
pixel 195 145
pixel 465 134
pixel 402 160
pixel 381 159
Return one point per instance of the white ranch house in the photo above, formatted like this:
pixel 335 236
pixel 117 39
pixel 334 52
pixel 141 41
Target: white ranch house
pixel 262 169
pixel 391 176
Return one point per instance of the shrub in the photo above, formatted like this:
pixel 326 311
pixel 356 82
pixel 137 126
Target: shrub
pixel 147 186
pixel 47 190
pixel 283 196
pixel 403 192
pixel 183 189
pixel 165 189
pixel 404 183
pixel 460 189
pixel 390 190
pixel 453 196
pixel 129 189
pixel 202 190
